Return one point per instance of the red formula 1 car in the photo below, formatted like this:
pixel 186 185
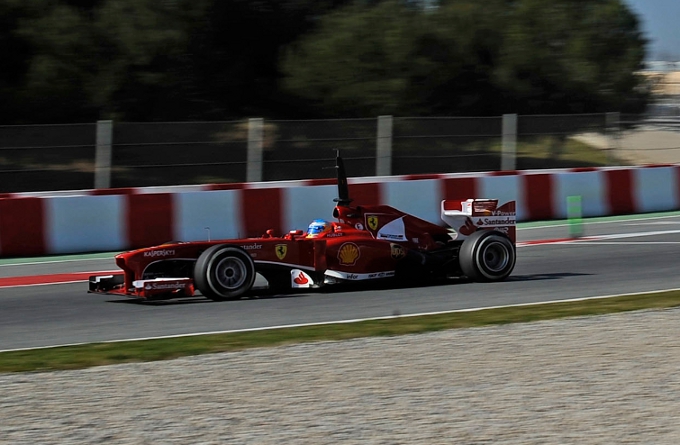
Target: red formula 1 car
pixel 366 243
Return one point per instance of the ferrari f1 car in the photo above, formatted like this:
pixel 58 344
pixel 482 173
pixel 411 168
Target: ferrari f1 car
pixel 365 243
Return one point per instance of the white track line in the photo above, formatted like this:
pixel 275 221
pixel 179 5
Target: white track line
pixel 33 263
pixel 357 320
pixel 637 234
pixel 613 221
pixel 630 243
pixel 42 284
pixel 598 239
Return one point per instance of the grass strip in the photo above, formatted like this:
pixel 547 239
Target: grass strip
pixel 98 354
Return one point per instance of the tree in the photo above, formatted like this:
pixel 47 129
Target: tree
pixel 145 60
pixel 462 41
pixel 469 57
pixel 15 53
pixel 143 71
pixel 54 83
pixel 359 61
pixel 148 60
pixel 571 56
pixel 103 59
pixel 235 50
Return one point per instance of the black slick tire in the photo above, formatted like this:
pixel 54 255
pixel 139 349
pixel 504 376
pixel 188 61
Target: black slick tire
pixel 487 255
pixel 224 272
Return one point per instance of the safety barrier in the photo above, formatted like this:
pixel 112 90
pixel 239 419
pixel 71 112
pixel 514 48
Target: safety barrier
pixel 120 219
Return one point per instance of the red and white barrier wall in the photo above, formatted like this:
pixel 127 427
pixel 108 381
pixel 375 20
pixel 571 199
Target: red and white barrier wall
pixel 119 219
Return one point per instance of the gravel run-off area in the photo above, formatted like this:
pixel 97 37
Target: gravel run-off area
pixel 611 379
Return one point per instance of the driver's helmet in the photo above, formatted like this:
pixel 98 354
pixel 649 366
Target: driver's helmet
pixel 317 228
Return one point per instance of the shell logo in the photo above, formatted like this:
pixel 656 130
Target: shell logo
pixel 348 254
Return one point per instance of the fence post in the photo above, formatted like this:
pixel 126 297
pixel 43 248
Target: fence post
pixel 509 150
pixel 102 156
pixel 383 155
pixel 255 146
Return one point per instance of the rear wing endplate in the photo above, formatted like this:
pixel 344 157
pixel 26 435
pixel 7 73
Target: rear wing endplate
pixel 470 215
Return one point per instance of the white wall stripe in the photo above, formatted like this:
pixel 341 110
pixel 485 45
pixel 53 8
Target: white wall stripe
pixel 588 185
pixel 85 224
pixel 421 198
pixel 655 189
pixel 216 210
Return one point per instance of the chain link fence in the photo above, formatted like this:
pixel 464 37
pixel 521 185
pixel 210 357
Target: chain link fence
pixel 446 144
pixel 562 141
pixel 62 157
pixel 162 154
pixel 306 149
pixel 46 157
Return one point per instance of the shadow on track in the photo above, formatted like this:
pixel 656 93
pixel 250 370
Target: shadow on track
pixel 546 276
pixel 143 302
pixel 267 294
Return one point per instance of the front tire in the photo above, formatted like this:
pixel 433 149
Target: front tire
pixel 224 272
pixel 487 255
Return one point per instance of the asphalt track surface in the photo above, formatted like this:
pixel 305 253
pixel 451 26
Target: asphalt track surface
pixel 615 256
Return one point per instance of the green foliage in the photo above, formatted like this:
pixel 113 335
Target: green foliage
pixel 571 56
pixel 473 58
pixel 358 62
pixel 145 60
pixel 99 59
pixel 141 50
pixel 62 63
pixel 235 49
pixel 15 53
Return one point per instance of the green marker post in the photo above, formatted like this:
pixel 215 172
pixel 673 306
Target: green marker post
pixel 575 216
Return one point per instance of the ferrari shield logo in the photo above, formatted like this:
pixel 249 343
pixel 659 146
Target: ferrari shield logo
pixel 281 251
pixel 372 222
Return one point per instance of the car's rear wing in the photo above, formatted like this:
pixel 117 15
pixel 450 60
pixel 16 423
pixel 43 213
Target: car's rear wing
pixel 466 217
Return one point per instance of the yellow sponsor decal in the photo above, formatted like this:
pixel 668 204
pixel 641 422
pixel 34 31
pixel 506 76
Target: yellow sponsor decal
pixel 398 252
pixel 281 250
pixel 348 254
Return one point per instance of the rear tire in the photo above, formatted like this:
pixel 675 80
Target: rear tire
pixel 224 272
pixel 487 255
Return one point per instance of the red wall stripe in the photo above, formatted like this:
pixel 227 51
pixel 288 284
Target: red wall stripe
pixel 149 219
pixel 422 176
pixel 619 187
pixel 459 188
pixel 261 210
pixel 322 181
pixel 22 227
pixel 116 191
pixel 226 186
pixel 538 196
pixel 365 194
